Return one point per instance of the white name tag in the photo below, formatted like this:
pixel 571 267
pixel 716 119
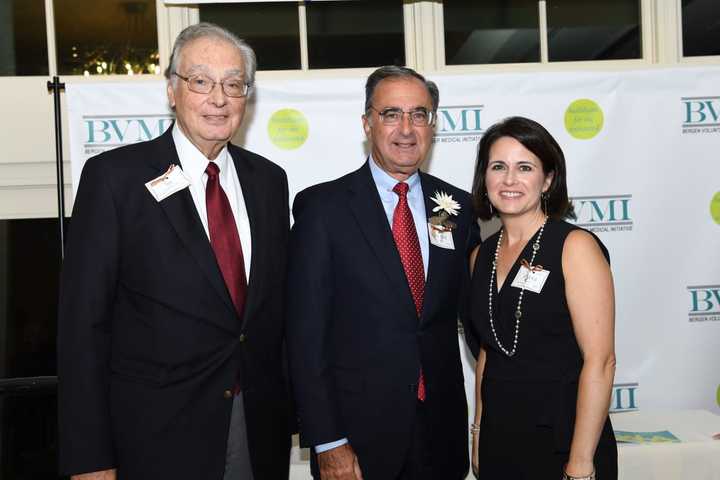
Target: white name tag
pixel 168 183
pixel 533 281
pixel 441 236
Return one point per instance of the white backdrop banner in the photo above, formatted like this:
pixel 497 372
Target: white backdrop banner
pixel 643 155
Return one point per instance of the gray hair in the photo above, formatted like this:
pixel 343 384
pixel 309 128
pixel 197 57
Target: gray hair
pixel 210 30
pixel 392 71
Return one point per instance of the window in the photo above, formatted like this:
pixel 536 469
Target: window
pixel 593 30
pixel 29 269
pixel 342 35
pixel 316 35
pixel 496 31
pixel 700 27
pixel 511 31
pixel 23 38
pixel 111 37
pixel 271 29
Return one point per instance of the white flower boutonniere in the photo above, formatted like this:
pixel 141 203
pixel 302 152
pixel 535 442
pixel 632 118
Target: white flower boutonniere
pixel 446 203
pixel 447 206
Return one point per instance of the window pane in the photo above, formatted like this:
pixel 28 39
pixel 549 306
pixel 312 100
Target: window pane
pixel 106 37
pixel 593 30
pixel 28 432
pixel 29 271
pixel 491 31
pixel 355 34
pixel 701 27
pixel 271 29
pixel 23 38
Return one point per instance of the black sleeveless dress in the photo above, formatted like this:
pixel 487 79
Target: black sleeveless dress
pixel 529 399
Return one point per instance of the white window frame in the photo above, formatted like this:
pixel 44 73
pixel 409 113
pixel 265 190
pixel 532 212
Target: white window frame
pixel 661 41
pixel 191 15
pixel 649 51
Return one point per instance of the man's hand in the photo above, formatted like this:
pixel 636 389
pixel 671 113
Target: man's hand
pixel 340 463
pixel 101 475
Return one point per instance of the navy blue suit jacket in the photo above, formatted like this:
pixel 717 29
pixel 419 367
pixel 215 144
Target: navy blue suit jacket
pixel 149 341
pixel 355 342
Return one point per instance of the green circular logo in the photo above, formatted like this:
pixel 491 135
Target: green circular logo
pixel 715 208
pixel 288 129
pixel 584 119
pixel 718 396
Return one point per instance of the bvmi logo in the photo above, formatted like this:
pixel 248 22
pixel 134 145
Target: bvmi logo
pixel 605 213
pixel 701 114
pixel 459 124
pixel 704 303
pixel 624 397
pixel 105 132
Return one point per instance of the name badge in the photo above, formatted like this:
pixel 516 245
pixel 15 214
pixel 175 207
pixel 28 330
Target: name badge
pixel 531 280
pixel 168 183
pixel 441 236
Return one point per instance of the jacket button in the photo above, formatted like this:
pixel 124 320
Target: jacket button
pixel 227 394
pixel 242 337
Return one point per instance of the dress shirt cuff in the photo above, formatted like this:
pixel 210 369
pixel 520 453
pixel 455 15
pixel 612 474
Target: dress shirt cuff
pixel 329 446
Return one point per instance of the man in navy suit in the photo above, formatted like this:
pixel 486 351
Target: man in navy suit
pixel 377 261
pixel 170 346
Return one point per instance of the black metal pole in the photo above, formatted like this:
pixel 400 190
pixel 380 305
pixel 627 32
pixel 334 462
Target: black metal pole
pixel 56 87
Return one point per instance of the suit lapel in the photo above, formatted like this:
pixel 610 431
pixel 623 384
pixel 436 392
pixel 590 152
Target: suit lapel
pixel 182 214
pixel 437 272
pixel 254 207
pixel 369 213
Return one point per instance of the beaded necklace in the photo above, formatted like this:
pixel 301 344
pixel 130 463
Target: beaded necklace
pixel 518 307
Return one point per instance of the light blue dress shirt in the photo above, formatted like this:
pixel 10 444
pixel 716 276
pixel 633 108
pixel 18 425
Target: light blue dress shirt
pixel 416 201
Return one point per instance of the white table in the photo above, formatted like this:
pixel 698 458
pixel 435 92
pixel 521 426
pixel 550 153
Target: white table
pixel 696 457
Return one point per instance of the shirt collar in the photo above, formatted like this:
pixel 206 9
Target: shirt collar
pixel 192 161
pixel 385 182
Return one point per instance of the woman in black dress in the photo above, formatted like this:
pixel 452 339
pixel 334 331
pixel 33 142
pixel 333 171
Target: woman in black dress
pixel 543 304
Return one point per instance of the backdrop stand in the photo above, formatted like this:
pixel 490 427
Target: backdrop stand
pixel 56 87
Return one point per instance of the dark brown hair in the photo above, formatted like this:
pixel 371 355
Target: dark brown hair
pixel 535 138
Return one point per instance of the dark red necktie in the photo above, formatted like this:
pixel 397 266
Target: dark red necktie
pixel 406 240
pixel 224 238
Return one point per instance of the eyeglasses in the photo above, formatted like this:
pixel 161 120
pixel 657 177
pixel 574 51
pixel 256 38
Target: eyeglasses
pixel 232 87
pixel 419 117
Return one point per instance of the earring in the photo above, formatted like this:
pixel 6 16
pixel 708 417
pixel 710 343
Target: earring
pixel 543 197
pixel 489 204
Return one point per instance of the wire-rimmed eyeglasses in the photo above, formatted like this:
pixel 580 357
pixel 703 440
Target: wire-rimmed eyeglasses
pixel 419 117
pixel 232 87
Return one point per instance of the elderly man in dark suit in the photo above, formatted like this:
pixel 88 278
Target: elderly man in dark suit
pixel 377 262
pixel 170 349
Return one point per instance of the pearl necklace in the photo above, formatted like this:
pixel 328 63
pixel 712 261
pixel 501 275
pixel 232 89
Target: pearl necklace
pixel 518 307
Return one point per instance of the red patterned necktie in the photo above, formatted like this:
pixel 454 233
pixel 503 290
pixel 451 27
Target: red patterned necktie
pixel 406 240
pixel 224 238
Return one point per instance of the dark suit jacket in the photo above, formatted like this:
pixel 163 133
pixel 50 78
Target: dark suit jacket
pixel 354 339
pixel 149 341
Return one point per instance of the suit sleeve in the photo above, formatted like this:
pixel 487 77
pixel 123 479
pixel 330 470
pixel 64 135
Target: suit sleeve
pixel 87 291
pixel 309 318
pixel 292 418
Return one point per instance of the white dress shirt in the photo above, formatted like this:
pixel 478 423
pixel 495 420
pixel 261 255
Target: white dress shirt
pixel 194 163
